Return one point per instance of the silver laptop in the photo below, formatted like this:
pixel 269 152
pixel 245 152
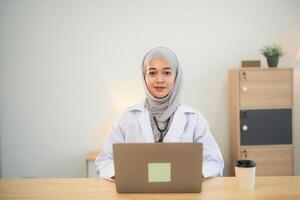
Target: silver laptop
pixel 158 168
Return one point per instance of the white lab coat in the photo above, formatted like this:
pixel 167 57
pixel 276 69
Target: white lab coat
pixel 188 125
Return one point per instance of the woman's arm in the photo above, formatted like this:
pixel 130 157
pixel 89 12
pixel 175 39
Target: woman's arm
pixel 213 163
pixel 104 161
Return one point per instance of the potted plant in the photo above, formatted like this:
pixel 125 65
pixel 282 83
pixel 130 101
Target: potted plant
pixel 272 53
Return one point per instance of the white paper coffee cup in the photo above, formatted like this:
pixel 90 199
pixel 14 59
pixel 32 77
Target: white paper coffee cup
pixel 245 174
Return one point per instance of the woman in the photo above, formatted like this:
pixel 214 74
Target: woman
pixel 161 117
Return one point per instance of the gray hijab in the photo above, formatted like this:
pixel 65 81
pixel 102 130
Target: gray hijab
pixel 163 108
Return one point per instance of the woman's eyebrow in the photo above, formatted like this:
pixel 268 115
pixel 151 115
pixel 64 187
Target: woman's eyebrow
pixel 165 68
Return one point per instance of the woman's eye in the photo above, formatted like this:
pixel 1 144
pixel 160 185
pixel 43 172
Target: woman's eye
pixel 168 73
pixel 151 73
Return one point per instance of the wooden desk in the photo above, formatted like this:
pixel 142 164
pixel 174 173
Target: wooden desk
pixel 267 188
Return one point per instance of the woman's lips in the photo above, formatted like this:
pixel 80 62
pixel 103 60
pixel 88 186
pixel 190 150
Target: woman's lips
pixel 159 89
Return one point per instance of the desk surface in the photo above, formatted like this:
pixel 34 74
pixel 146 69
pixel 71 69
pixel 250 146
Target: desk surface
pixel 267 188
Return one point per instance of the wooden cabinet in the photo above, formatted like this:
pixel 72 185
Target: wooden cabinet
pixel 261 115
pixel 274 160
pixel 265 88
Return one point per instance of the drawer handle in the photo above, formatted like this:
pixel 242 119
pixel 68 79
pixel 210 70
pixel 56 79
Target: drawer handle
pixel 244 88
pixel 245 128
pixel 245 153
pixel 244 76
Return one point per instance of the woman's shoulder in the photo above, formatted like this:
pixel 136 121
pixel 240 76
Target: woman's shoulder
pixel 137 107
pixel 130 114
pixel 187 110
pixel 133 110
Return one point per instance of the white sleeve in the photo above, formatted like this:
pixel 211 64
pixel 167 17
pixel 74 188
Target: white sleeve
pixel 104 161
pixel 213 163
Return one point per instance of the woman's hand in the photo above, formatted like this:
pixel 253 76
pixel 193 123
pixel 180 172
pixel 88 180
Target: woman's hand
pixel 111 179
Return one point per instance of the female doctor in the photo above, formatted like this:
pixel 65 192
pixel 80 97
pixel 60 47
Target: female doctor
pixel 161 117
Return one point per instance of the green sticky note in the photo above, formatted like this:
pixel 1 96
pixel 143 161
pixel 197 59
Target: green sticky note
pixel 159 172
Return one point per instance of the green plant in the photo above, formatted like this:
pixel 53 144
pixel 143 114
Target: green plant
pixel 272 50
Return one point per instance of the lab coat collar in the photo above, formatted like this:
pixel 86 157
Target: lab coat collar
pixel 177 126
pixel 144 121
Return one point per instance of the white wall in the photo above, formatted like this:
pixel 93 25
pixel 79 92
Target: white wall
pixel 69 67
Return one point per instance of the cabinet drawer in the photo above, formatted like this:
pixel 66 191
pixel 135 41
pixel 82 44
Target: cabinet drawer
pixel 265 88
pixel 264 127
pixel 275 161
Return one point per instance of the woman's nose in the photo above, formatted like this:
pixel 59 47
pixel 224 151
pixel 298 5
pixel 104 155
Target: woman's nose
pixel 159 79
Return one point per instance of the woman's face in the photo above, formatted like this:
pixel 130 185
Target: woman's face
pixel 159 78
